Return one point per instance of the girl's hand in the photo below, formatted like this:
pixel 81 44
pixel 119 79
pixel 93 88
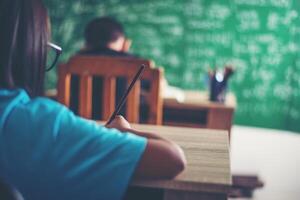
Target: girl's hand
pixel 119 123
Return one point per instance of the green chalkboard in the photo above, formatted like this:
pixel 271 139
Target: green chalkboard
pixel 261 38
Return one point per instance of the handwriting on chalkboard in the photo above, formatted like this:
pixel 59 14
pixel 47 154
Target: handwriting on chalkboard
pixel 261 38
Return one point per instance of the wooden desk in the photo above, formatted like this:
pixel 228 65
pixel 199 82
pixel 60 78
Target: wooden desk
pixel 195 110
pixel 207 175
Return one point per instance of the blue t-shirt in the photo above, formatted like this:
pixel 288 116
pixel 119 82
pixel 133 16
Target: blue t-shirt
pixel 47 152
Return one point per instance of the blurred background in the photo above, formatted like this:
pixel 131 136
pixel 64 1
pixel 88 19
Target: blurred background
pixel 259 38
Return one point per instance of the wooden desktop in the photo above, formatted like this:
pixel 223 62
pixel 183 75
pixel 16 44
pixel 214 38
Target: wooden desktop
pixel 207 175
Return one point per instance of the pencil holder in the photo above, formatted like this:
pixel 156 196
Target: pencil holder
pixel 218 86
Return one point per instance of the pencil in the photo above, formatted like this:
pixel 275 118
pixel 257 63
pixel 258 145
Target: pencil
pixel 124 97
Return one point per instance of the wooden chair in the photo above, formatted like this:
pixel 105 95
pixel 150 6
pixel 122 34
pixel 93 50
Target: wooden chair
pixel 109 68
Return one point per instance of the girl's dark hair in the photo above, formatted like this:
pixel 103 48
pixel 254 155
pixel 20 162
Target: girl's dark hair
pixel 101 31
pixel 23 45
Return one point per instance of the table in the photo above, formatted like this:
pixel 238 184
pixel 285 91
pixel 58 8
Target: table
pixel 207 175
pixel 193 109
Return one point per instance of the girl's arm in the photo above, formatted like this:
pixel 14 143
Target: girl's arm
pixel 161 159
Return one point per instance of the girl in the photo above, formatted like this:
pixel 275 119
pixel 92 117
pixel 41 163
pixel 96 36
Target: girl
pixel 46 151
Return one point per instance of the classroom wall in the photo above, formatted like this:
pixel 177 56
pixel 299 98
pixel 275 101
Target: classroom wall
pixel 260 38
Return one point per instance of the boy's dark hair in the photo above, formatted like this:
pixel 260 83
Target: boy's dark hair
pixel 23 48
pixel 101 31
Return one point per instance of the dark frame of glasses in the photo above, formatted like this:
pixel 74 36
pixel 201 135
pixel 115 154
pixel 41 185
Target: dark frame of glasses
pixel 58 51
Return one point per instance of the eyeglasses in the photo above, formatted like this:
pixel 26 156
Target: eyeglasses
pixel 52 56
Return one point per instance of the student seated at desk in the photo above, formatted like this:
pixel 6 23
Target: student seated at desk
pixel 105 36
pixel 48 153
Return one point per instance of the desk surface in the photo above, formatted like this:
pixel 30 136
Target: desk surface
pixel 207 152
pixel 197 99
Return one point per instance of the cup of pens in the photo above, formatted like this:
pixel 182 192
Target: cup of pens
pixel 218 84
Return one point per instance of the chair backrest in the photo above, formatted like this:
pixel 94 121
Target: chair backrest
pixel 109 68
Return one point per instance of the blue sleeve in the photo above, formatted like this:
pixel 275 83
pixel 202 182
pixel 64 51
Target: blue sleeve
pixel 92 161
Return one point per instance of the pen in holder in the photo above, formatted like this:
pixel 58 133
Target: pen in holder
pixel 218 84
